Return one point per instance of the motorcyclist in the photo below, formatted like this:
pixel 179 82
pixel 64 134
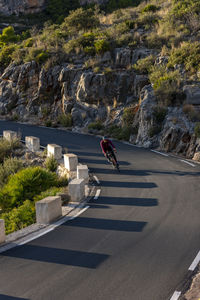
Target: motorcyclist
pixel 107 146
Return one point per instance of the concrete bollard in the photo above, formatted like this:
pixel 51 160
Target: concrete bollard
pixel 70 161
pixel 2 231
pixel 82 172
pixel 48 209
pixel 10 135
pixel 32 143
pixel 77 190
pixel 55 150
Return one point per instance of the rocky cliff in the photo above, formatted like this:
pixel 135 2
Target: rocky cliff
pixel 32 94
pixel 9 7
pixel 28 90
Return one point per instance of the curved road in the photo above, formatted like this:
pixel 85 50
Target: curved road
pixel 135 242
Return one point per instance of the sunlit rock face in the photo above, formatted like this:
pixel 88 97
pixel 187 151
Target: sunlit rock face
pixel 9 7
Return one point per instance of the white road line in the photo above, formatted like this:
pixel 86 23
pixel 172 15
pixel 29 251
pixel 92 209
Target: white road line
pixel 97 194
pixel 163 154
pixel 175 295
pixel 55 225
pixel 80 212
pixel 97 180
pixel 51 228
pixel 195 262
pixel 187 162
pixel 7 247
pixel 35 237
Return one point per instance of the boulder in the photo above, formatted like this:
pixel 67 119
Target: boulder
pixel 145 117
pixel 192 93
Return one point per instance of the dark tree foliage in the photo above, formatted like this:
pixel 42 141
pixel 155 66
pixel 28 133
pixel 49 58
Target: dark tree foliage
pixel 59 9
pixel 115 4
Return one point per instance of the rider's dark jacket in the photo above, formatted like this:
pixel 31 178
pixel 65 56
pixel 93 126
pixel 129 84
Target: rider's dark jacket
pixel 106 145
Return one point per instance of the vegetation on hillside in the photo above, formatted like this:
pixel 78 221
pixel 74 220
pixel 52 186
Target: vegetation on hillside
pixel 22 186
pixel 169 28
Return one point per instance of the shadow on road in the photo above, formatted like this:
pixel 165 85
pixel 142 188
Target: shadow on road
pixel 90 154
pixel 106 224
pixel 102 161
pixel 58 256
pixel 125 201
pixel 130 185
pixel 144 172
pixel 5 297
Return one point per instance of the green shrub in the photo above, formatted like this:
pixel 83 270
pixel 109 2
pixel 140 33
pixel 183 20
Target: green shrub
pixel 50 192
pixel 20 217
pixel 129 115
pixel 96 126
pixel 149 8
pixel 154 130
pixel 87 39
pixel 130 24
pixel 58 9
pixel 197 130
pixel 10 166
pixel 6 55
pixel 148 20
pixel 7 147
pixel 188 55
pixel 166 85
pixel 41 57
pixel 143 66
pixel 48 123
pixel 191 112
pixel 8 36
pixel 159 114
pixel 118 132
pixel 101 46
pixel 65 120
pixel 37 54
pixel 29 42
pixel 51 163
pixel 81 19
pixel 163 79
pixel 182 8
pixel 62 181
pixel 90 50
pixel 107 71
pixel 25 185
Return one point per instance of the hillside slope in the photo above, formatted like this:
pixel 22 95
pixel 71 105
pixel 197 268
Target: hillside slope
pixel 132 74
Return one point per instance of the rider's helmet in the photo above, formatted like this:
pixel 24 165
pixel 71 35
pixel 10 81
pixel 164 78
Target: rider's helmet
pixel 104 137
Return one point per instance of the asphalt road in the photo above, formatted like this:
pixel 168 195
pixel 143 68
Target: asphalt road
pixel 135 242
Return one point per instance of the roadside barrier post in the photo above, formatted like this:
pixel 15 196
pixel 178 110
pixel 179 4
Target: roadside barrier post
pixel 48 209
pixel 77 190
pixel 82 173
pixel 70 161
pixel 32 143
pixel 10 135
pixel 2 231
pixel 55 150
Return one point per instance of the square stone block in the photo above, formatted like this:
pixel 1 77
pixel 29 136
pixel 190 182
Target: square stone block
pixel 82 172
pixel 48 209
pixel 32 143
pixel 55 150
pixel 70 161
pixel 77 190
pixel 2 231
pixel 10 135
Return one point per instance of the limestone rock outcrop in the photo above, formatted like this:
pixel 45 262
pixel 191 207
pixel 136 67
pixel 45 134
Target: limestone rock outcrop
pixel 9 7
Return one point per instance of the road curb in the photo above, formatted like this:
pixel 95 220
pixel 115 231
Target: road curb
pixel 34 231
